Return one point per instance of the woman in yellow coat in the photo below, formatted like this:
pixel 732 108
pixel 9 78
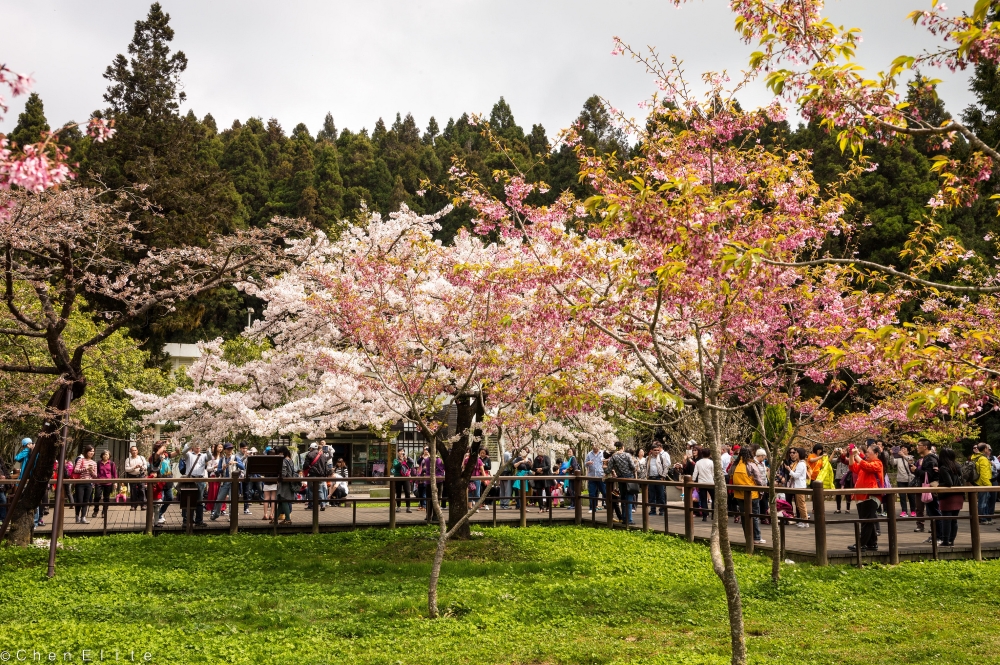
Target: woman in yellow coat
pixel 743 475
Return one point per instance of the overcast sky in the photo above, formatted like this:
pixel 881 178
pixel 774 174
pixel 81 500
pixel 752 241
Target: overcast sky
pixel 297 59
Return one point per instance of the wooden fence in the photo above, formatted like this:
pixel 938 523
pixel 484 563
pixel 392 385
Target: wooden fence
pixel 685 509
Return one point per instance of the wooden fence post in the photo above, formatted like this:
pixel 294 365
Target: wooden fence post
pixel 392 503
pixel 234 505
pixel 819 517
pixel 314 492
pixel 577 499
pixel 609 500
pixel 523 491
pixel 688 510
pixel 893 529
pixel 645 510
pixel 977 548
pixel 149 510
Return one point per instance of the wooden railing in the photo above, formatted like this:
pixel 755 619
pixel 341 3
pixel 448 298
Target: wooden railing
pixel 816 494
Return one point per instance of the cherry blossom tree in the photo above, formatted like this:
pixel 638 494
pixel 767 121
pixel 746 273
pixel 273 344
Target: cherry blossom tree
pixel 62 247
pixel 40 166
pixel 809 61
pixel 664 260
pixel 387 324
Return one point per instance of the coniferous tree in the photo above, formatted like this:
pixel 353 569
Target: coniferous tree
pixel 158 148
pixel 31 123
pixel 329 130
pixel 173 160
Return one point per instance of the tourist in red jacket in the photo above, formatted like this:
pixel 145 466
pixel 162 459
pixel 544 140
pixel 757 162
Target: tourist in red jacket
pixel 868 472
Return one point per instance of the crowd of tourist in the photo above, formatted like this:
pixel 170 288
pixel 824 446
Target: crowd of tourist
pixel 610 482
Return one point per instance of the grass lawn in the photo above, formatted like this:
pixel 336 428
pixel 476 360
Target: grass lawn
pixel 536 595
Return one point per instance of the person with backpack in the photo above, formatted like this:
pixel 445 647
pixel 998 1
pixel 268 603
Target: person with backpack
pixel 314 465
pixel 980 473
pixel 85 468
pixel 227 466
pixel 949 475
pixel 401 468
pixel 621 465
pixel 194 470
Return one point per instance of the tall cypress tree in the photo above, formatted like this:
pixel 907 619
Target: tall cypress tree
pixel 173 160
pixel 156 147
pixel 31 123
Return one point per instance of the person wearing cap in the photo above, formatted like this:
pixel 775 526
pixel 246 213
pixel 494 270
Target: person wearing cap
pixel 226 467
pixel 315 466
pixel 21 458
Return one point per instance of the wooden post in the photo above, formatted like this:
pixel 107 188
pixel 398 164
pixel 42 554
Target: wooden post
pixel 523 491
pixel 577 499
pixel 149 509
pixel 784 526
pixel 234 505
pixel 748 520
pixel 688 510
pixel 609 500
pixel 819 517
pixel 893 529
pixel 314 491
pixel 666 511
pixel 857 542
pixel 354 514
pixel 977 548
pixel 274 514
pixel 495 510
pixel 645 510
pixel 392 505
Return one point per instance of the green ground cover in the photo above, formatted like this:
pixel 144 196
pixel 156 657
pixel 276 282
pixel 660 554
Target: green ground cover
pixel 535 595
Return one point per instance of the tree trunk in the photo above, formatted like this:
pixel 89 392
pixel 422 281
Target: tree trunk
pixel 442 542
pixel 721 550
pixel 457 476
pixel 21 520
